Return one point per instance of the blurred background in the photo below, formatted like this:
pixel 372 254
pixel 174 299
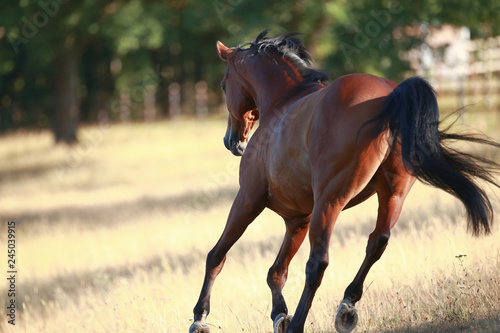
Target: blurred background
pixel 114 170
pixel 65 63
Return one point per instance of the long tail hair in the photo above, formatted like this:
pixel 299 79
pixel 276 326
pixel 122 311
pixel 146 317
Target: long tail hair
pixel 411 113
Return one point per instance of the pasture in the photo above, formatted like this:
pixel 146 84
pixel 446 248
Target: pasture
pixel 112 236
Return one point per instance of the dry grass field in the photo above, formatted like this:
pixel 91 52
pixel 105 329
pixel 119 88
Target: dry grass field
pixel 112 236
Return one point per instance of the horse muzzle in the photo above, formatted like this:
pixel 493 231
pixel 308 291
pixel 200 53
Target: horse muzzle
pixel 234 144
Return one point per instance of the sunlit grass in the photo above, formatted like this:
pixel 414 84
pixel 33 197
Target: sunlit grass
pixel 113 235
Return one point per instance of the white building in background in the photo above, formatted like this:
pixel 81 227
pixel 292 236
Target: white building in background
pixel 454 43
pixel 458 67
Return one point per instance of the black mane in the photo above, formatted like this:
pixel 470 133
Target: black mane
pixel 286 45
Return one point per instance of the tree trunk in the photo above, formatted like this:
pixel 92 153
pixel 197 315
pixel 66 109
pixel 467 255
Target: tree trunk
pixel 66 103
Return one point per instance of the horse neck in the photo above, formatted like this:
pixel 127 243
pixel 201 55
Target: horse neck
pixel 275 88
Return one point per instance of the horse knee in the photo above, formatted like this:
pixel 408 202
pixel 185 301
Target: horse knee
pixel 383 239
pixel 377 242
pixel 215 259
pixel 314 270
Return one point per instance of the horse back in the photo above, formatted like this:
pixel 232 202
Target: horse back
pixel 341 120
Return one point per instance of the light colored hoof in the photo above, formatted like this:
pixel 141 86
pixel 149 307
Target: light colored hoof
pixel 346 318
pixel 281 323
pixel 198 327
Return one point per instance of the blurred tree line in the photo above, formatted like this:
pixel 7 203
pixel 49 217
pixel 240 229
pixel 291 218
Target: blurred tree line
pixel 63 62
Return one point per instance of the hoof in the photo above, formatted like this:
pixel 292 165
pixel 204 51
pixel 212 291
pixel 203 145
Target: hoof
pixel 198 327
pixel 281 323
pixel 346 318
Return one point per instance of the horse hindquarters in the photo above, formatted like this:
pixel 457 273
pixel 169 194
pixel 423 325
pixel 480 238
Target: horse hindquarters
pixel 334 185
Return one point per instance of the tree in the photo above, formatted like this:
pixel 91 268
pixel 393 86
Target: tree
pixel 64 61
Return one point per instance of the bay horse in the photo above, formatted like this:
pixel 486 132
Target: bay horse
pixel 320 149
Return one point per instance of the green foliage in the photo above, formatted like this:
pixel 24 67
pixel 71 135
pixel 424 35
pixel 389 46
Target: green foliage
pixel 134 27
pixel 117 41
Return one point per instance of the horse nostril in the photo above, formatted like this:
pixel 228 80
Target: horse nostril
pixel 233 143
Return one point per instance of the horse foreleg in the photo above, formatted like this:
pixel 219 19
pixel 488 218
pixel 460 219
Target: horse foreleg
pixel 242 213
pixel 296 230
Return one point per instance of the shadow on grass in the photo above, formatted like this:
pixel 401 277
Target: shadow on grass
pixel 118 213
pixel 64 290
pixel 27 172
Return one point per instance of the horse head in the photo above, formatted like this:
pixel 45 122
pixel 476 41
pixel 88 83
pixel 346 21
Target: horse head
pixel 243 112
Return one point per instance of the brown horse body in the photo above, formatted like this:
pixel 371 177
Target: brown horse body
pixel 316 152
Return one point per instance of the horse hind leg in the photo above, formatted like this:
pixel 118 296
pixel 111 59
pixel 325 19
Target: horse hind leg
pixel 296 230
pixel 392 188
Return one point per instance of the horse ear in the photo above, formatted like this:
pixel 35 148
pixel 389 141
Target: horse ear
pixel 223 50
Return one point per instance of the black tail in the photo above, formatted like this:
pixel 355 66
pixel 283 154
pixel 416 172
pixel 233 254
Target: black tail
pixel 411 113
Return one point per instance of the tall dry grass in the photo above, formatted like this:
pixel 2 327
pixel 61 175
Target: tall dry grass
pixel 113 234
